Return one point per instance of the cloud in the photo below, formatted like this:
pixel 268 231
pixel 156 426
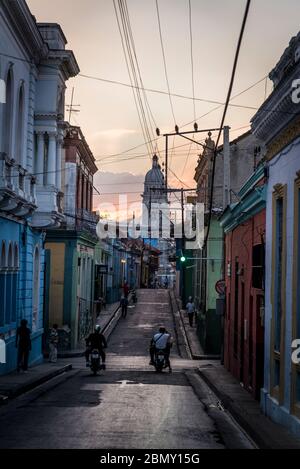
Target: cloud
pixel 113 133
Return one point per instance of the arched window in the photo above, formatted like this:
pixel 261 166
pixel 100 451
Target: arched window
pixel 10 258
pixel 2 283
pixel 8 113
pixel 16 256
pixel 36 288
pixel 20 127
pixel 9 286
pixel 3 256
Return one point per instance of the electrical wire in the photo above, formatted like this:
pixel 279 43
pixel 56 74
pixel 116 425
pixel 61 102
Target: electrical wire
pixel 134 65
pixel 164 60
pixel 148 140
pixel 192 57
pixel 237 53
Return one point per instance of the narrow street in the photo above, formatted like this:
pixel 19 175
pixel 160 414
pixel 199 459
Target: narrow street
pixel 129 405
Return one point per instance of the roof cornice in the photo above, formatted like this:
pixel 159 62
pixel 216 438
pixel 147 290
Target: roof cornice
pixel 25 25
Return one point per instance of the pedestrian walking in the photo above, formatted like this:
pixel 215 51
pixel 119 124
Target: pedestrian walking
pixel 190 307
pixel 126 289
pixel 53 344
pixel 124 306
pixel 23 344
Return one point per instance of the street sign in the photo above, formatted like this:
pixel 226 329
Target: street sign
pixel 220 287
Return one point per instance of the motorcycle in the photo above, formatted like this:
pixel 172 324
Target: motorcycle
pixel 95 362
pixel 160 361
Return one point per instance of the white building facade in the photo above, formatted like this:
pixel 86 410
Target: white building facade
pixel 34 66
pixel 277 123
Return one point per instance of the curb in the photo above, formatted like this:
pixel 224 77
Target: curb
pixel 206 357
pixel 242 420
pixel 22 389
pixel 80 353
pixel 188 346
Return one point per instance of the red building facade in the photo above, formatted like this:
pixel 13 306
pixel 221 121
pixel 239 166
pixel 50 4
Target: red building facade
pixel 78 155
pixel 244 224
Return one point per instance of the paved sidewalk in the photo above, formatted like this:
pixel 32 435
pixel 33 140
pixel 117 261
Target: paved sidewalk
pixel 103 319
pixel 233 397
pixel 15 384
pixel 192 338
pixel 246 410
pixel 106 314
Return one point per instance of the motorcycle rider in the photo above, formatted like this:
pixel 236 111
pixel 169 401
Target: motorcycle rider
pixel 96 340
pixel 161 341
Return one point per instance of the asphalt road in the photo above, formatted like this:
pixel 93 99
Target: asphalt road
pixel 128 405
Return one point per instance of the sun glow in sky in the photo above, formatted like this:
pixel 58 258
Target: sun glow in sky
pixel 108 114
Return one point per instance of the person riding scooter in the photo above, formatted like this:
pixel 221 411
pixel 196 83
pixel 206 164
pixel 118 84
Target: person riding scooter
pixel 96 340
pixel 161 341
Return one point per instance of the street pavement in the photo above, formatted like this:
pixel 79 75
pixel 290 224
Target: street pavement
pixel 127 406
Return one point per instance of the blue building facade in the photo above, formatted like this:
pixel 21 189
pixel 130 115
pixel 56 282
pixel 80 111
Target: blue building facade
pixel 21 288
pixel 31 136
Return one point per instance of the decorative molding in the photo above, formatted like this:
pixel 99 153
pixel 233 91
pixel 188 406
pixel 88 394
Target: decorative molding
pixel 283 139
pixel 279 190
pixel 294 405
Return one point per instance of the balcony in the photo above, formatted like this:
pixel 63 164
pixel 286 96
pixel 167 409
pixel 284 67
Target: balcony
pixel 17 189
pixel 49 213
pixel 87 221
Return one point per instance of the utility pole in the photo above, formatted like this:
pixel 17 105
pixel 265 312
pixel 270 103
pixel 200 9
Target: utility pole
pixel 226 162
pixel 167 161
pixel 183 135
pixel 182 216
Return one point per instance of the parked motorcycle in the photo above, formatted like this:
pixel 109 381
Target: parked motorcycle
pixel 95 362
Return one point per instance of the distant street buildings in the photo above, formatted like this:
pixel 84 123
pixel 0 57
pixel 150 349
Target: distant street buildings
pixel 70 249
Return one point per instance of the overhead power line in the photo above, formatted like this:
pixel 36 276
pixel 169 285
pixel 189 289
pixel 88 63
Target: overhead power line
pixel 124 35
pixel 237 53
pixel 192 56
pixel 164 60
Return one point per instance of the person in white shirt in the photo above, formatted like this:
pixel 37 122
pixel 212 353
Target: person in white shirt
pixel 190 307
pixel 161 341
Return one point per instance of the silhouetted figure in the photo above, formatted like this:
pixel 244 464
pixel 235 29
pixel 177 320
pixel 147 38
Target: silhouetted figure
pixel 190 307
pixel 124 306
pixel 23 344
pixel 126 289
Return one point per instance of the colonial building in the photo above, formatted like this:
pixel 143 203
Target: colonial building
pixel 277 123
pixel 234 164
pixel 34 64
pixel 70 249
pixel 244 225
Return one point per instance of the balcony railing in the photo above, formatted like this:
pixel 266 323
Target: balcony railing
pixel 17 188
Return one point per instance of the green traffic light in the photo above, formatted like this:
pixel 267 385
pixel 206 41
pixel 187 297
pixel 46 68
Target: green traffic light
pixel 183 259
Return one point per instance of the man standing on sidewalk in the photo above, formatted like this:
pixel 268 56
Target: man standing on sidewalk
pixel 53 344
pixel 126 289
pixel 190 307
pixel 23 344
pixel 124 306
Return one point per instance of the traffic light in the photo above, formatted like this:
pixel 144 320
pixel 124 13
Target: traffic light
pixel 182 259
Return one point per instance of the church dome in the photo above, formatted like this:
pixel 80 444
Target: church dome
pixel 155 176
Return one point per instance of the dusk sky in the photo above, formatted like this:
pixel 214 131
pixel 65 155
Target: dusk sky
pixel 108 114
